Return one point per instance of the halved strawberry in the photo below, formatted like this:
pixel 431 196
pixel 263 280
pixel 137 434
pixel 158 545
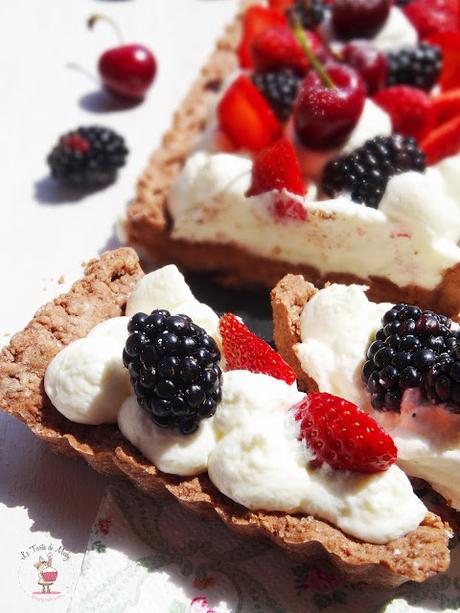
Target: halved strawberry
pixel 443 141
pixel 277 48
pixel 256 20
pixel 410 109
pixel 450 46
pixel 243 350
pixel 433 16
pixel 446 106
pixel 245 116
pixel 338 433
pixel 280 5
pixel 276 167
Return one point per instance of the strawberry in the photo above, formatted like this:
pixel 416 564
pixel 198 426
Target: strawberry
pixel 410 109
pixel 450 46
pixel 243 350
pixel 245 116
pixel 433 16
pixel 280 5
pixel 443 141
pixel 277 167
pixel 341 435
pixel 256 19
pixel 277 48
pixel 446 106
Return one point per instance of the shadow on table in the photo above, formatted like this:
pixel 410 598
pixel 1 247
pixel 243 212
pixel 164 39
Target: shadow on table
pixel 101 101
pixel 47 191
pixel 61 495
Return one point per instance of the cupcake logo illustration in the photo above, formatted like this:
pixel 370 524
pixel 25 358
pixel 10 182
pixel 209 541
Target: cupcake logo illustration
pixel 45 571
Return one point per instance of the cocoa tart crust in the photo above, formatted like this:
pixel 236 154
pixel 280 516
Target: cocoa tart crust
pixel 148 223
pixel 102 294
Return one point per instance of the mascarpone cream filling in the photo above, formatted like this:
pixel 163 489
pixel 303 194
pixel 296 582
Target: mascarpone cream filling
pixel 337 325
pixel 411 239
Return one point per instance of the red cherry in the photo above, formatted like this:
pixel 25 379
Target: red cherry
pixel 127 70
pixel 369 62
pixel 359 18
pixel 325 116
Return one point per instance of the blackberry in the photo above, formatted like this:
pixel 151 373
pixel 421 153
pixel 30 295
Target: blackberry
pixel 418 66
pixel 88 157
pixel 365 172
pixel 442 382
pixel 174 369
pixel 402 3
pixel 280 88
pixel 310 12
pixel 407 348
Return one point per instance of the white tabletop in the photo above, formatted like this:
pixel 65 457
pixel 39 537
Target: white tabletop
pixel 49 87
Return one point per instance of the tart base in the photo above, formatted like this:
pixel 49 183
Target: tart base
pixel 102 294
pixel 148 224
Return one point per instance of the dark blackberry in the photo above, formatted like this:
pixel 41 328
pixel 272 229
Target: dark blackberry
pixel 441 384
pixel 402 3
pixel 174 369
pixel 418 66
pixel 408 348
pixel 88 157
pixel 280 88
pixel 365 172
pixel 310 12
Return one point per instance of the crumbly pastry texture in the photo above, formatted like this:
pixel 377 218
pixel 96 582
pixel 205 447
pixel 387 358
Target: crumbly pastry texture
pixel 148 223
pixel 101 294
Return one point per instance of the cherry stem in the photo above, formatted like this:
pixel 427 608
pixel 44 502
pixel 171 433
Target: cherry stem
pixel 299 33
pixel 99 17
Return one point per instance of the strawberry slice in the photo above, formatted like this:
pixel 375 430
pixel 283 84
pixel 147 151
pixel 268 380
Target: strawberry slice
pixel 256 19
pixel 280 5
pixel 246 117
pixel 442 142
pixel 446 106
pixel 277 168
pixel 278 48
pixel 243 350
pixel 433 16
pixel 410 109
pixel 341 435
pixel 450 46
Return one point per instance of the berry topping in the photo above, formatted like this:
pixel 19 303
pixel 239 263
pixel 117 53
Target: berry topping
pixel 338 433
pixel 243 350
pixel 433 16
pixel 174 369
pixel 277 168
pixel 443 141
pixel 256 19
pixel 410 109
pixel 88 157
pixel 419 66
pixel 325 116
pixel 278 48
pixel 407 345
pixel 441 383
pixel 449 44
pixel 310 12
pixel 446 106
pixel 126 70
pixel 280 88
pixel 246 117
pixel 359 18
pixel 365 172
pixel 370 63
